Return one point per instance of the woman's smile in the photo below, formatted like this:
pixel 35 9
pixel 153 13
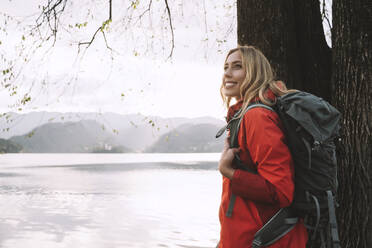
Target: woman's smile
pixel 230 84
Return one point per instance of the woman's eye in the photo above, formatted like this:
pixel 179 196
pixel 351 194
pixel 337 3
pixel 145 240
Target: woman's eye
pixel 238 66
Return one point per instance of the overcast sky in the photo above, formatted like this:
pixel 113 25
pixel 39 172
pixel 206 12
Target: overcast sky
pixel 136 77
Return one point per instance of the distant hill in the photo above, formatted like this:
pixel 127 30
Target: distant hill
pixel 189 138
pixel 136 132
pixel 7 146
pixel 69 137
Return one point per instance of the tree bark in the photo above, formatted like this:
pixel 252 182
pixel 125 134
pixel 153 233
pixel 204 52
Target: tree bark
pixel 352 83
pixel 290 34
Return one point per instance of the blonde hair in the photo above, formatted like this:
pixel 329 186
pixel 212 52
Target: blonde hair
pixel 258 79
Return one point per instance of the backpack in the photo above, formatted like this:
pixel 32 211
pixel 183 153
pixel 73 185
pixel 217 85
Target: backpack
pixel 311 126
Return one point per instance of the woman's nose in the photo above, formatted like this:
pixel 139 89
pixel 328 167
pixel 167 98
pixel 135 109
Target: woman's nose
pixel 227 72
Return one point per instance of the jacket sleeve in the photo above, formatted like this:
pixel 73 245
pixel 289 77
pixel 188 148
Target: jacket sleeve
pixel 260 136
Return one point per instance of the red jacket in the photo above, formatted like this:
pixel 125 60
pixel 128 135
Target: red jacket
pixel 259 197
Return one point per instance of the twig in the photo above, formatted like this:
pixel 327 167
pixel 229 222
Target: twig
pixel 88 43
pixel 50 15
pixel 147 10
pixel 171 27
pixel 107 46
pixel 101 28
pixel 325 16
pixel 110 10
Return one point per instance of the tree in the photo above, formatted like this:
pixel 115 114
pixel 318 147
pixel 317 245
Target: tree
pixel 352 94
pixel 290 34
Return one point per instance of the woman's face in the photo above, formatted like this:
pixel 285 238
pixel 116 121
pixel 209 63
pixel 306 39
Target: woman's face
pixel 233 76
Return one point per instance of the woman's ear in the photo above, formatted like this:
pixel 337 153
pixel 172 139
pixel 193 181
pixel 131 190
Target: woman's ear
pixel 280 84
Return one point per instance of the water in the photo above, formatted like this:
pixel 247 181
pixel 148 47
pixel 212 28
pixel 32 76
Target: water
pixel 109 200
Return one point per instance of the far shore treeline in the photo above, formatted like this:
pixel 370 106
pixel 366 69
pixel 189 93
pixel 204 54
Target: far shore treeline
pixel 46 132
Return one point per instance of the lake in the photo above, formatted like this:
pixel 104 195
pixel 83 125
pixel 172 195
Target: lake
pixel 109 200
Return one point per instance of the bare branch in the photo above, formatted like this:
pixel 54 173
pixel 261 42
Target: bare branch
pixel 107 45
pixel 171 27
pixel 50 15
pixel 325 14
pixel 110 10
pixel 147 10
pixel 88 43
pixel 101 28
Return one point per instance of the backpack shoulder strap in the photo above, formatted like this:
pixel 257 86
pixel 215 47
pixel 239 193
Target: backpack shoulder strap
pixel 234 129
pixel 258 105
pixel 251 106
pixel 254 105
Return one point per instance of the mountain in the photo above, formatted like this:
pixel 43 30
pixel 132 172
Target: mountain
pixel 7 146
pixel 82 136
pixel 189 138
pixel 133 131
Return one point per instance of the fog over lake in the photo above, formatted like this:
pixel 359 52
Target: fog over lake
pixel 109 200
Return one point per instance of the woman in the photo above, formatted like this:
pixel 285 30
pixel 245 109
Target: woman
pixel 248 77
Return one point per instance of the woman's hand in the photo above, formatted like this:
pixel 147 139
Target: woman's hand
pixel 225 165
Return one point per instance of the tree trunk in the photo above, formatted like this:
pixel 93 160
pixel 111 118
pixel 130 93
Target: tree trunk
pixel 352 83
pixel 290 34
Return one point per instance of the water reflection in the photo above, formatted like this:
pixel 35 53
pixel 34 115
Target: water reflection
pixel 105 167
pixel 110 205
pixel 9 174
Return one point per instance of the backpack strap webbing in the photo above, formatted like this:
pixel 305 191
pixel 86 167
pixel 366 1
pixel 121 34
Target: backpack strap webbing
pixel 317 214
pixel 322 239
pixel 255 105
pixel 332 220
pixel 278 226
pixel 231 206
pixel 237 159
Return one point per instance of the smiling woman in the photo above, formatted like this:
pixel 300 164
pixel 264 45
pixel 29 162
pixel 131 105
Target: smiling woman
pixel 263 183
